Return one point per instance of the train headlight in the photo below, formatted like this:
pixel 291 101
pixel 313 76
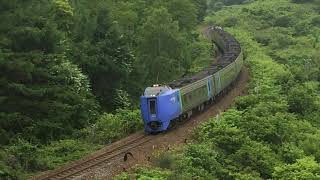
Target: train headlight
pixel 154 125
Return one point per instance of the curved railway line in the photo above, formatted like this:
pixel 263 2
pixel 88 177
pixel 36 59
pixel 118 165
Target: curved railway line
pixel 139 145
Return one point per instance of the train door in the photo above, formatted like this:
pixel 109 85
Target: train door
pixel 217 82
pixel 210 87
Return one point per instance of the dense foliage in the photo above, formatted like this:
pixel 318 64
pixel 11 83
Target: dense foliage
pixel 274 132
pixel 71 72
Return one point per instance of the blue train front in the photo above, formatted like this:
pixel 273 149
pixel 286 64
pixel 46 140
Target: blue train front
pixel 159 105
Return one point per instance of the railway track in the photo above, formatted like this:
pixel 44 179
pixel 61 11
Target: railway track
pixel 85 165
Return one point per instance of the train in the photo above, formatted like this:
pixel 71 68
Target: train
pixel 163 105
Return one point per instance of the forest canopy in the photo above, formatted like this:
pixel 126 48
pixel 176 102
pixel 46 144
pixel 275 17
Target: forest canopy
pixel 72 71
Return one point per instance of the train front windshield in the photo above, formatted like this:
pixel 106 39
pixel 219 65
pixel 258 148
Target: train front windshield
pixel 156 90
pixel 152 91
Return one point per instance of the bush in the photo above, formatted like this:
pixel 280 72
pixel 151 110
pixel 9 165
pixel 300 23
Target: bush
pixel 256 156
pixel 301 100
pixel 25 155
pixel 305 168
pixel 302 1
pixel 262 38
pixel 230 22
pixel 110 127
pixel 283 21
pixel 59 152
pixel 316 21
pixel 302 28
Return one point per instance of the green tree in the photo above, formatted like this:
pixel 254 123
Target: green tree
pixel 105 58
pixel 301 99
pixel 26 155
pixel 202 9
pixel 37 80
pixel 63 14
pixel 185 12
pixel 37 87
pixel 305 168
pixel 256 156
pixel 161 47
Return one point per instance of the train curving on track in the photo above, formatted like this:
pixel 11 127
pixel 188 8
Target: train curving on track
pixel 163 106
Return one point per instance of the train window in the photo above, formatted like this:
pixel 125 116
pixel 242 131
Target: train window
pixel 152 104
pixel 156 90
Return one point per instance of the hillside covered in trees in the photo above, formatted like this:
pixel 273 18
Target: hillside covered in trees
pixel 72 71
pixel 274 132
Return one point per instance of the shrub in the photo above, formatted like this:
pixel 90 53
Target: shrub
pixel 110 127
pixel 230 21
pixel 305 168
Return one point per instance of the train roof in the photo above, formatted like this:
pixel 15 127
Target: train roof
pixel 229 52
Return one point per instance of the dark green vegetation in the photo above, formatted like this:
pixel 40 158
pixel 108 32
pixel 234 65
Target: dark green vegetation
pixel 274 132
pixel 71 72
